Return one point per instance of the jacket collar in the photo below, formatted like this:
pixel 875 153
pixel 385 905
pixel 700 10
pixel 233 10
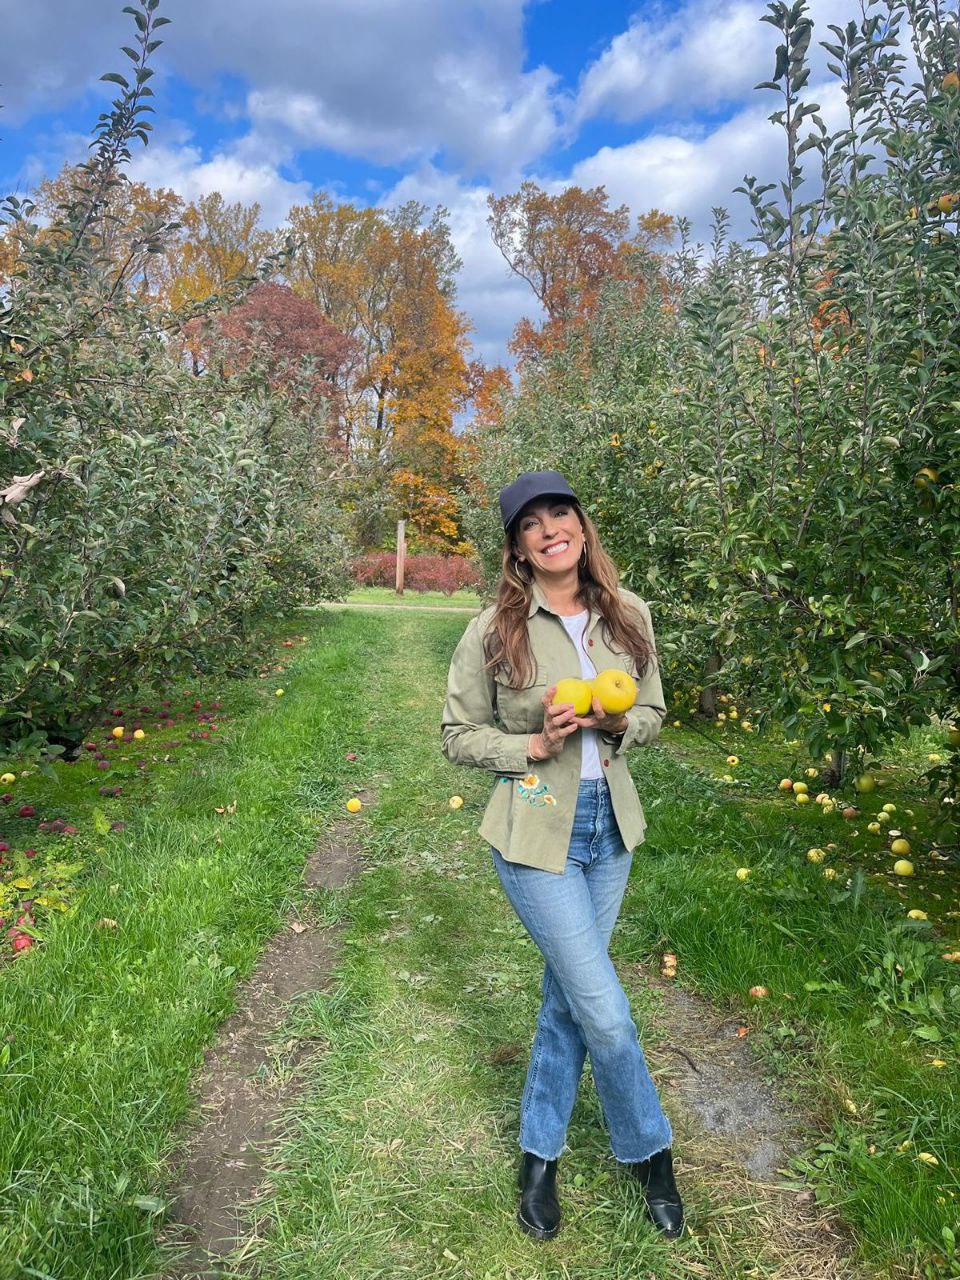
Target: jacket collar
pixel 539 601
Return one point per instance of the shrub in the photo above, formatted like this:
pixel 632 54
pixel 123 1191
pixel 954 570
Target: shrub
pixel 421 572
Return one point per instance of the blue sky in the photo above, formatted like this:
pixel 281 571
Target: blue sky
pixel 445 101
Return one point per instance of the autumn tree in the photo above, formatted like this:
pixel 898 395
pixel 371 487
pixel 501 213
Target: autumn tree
pixel 222 242
pixel 387 280
pixel 132 228
pixel 565 247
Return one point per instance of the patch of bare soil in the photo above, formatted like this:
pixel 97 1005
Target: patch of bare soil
pixel 734 1134
pixel 246 1083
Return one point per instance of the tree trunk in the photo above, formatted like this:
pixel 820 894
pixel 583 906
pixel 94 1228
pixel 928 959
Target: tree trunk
pixel 707 705
pixel 833 775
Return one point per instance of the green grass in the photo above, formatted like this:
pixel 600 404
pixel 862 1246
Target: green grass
pixel 467 600
pixel 103 1026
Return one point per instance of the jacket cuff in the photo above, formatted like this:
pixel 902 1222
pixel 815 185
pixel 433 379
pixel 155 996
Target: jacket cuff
pixel 643 727
pixel 513 760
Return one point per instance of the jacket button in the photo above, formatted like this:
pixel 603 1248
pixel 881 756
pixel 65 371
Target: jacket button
pixel 607 764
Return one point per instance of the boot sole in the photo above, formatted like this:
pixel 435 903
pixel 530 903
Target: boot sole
pixel 538 1233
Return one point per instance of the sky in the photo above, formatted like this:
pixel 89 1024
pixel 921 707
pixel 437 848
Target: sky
pixel 442 101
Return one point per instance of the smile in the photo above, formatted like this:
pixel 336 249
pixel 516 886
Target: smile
pixel 556 549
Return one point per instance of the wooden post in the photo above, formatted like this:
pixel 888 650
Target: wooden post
pixel 401 553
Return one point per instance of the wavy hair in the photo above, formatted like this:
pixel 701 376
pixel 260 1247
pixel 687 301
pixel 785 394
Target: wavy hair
pixel 507 643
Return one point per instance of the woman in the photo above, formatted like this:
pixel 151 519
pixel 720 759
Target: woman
pixel 562 822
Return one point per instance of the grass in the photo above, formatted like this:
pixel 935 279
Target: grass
pixel 104 1024
pixel 400 1158
pixel 467 600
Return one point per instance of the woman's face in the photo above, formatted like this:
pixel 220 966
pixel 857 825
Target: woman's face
pixel 549 536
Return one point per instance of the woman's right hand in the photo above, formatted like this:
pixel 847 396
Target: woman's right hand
pixel 558 723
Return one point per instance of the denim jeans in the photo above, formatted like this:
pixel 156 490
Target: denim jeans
pixel 584 1010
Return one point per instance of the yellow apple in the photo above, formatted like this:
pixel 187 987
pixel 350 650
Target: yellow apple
pixel 576 691
pixel 903 867
pixel 865 782
pixel 117 731
pixel 800 788
pixel 616 690
pixel 354 805
pixel 916 914
pixel 900 847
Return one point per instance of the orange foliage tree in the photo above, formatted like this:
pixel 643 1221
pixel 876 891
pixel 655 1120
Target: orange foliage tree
pixel 386 279
pixel 565 247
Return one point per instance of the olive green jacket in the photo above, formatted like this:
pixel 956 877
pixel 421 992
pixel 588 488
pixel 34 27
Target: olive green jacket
pixel 529 817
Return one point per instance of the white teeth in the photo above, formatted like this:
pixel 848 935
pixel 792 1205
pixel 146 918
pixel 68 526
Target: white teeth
pixel 555 550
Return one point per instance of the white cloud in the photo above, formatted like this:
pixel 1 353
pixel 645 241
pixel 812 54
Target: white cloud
pixel 700 55
pixel 248 180
pixel 380 80
pixel 372 78
pixel 696 56
pixel 688 174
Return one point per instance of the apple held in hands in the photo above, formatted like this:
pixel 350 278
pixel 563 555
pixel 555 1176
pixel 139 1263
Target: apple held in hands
pixel 616 690
pixel 577 692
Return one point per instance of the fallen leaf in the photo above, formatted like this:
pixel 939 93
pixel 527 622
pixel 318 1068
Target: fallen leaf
pixel 297 927
pixel 107 923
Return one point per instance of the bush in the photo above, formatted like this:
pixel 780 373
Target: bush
pixel 421 572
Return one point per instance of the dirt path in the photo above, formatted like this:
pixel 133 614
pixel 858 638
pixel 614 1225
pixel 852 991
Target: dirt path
pixel 733 1132
pixel 248 1080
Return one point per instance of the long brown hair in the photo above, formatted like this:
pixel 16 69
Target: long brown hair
pixel 507 642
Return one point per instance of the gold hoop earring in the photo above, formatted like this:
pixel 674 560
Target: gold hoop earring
pixel 517 575
pixel 583 554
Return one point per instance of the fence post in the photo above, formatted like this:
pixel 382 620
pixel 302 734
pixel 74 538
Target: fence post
pixel 401 553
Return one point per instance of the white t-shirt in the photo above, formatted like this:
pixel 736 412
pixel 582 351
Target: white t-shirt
pixel 590 766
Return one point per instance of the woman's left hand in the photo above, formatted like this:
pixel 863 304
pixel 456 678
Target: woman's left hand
pixel 607 722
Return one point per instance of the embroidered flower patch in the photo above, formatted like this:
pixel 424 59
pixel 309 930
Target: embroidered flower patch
pixel 534 791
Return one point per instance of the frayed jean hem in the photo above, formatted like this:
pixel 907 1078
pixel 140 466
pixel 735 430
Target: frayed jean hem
pixel 639 1159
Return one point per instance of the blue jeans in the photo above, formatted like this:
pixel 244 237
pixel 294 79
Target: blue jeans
pixel 584 1010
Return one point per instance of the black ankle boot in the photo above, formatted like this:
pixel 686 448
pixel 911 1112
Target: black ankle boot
pixel 664 1206
pixel 539 1213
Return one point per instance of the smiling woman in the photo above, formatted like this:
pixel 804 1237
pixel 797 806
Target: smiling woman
pixel 562 835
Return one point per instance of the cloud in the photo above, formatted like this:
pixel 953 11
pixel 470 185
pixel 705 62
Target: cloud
pixel 697 56
pixel 371 78
pixel 687 174
pixel 236 176
pixel 685 58
pixel 379 80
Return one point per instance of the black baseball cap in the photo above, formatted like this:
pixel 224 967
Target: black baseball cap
pixel 530 485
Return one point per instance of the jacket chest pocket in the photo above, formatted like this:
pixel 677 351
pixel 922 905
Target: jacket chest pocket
pixel 521 710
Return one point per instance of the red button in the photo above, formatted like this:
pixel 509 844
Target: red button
pixel 607 763
pixel 589 642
